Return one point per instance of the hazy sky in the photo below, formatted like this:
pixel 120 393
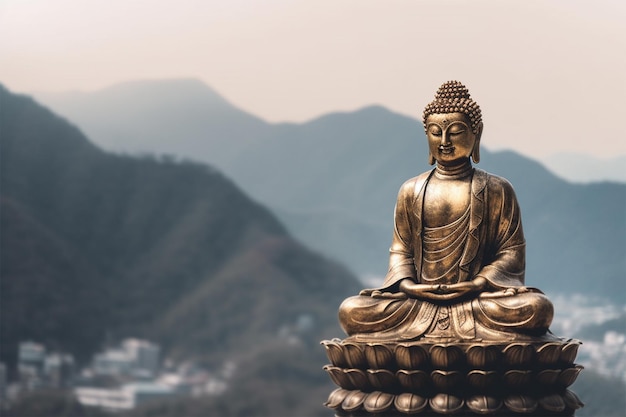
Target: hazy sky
pixel 549 75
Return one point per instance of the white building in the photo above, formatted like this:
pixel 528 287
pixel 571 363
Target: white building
pixel 30 361
pixel 125 397
pixel 134 358
pixel 145 356
pixel 58 369
pixel 113 362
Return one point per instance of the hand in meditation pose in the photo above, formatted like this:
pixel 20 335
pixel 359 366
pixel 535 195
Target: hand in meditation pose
pixel 457 258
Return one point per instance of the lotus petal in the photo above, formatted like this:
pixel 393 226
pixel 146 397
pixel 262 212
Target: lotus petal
pixel 335 353
pixel 339 377
pixel 483 356
pixel 410 356
pixel 519 354
pixel 378 355
pixel 568 355
pixel 358 378
pixel 382 379
pixel 354 355
pixel 517 378
pixel 446 380
pixel 446 356
pixel 483 404
pixel 446 403
pixel 548 376
pixel 413 380
pixel 549 353
pixel 410 403
pixel 336 398
pixel 568 376
pixel 572 401
pixel 378 402
pixel 483 379
pixel 521 403
pixel 552 403
pixel 353 401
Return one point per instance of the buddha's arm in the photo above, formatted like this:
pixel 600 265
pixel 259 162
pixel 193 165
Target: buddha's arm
pixel 504 262
pixel 401 258
pixel 401 252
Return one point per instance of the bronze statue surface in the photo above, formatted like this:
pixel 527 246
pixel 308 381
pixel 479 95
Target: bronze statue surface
pixel 457 258
pixel 455 283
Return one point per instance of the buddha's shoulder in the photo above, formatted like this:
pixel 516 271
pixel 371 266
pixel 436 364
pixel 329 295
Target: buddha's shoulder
pixel 493 182
pixel 413 185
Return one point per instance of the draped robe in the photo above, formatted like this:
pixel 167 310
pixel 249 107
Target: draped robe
pixel 487 242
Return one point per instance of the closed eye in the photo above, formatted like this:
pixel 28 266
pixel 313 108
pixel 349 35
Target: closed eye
pixel 435 131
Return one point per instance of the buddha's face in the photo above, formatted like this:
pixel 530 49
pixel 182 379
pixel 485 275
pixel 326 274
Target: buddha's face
pixel 450 138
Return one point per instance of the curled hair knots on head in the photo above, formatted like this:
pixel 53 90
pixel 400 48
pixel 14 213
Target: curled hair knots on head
pixel 454 97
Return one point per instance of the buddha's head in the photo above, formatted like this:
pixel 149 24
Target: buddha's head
pixel 453 125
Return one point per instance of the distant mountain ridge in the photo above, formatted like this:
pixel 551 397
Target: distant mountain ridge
pixel 585 169
pixel 191 108
pixel 333 181
pixel 96 243
pixel 172 116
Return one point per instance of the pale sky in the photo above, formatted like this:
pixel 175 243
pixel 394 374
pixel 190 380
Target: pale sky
pixel 549 75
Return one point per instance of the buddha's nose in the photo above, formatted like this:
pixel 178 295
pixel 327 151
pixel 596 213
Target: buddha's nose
pixel 445 139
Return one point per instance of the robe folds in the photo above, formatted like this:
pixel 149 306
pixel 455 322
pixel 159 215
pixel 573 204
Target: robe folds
pixel 493 248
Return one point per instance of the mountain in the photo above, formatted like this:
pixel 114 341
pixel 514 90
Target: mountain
pixel 333 182
pixel 584 168
pixel 97 244
pixel 179 117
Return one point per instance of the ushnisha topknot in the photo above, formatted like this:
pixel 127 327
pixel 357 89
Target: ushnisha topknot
pixel 454 97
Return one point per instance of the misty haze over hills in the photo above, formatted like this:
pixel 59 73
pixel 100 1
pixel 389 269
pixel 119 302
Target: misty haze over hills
pixel 584 169
pixel 95 243
pixel 173 251
pixel 170 117
pixel 333 180
pixel 194 108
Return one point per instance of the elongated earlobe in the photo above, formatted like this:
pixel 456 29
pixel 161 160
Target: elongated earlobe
pixel 431 159
pixel 476 153
pixel 476 149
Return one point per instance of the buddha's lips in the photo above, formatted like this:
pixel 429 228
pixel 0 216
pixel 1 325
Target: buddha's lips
pixel 446 149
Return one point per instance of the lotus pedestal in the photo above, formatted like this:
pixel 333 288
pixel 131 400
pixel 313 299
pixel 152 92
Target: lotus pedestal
pixel 428 378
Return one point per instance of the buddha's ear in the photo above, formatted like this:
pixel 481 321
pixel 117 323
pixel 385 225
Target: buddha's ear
pixel 431 159
pixel 476 149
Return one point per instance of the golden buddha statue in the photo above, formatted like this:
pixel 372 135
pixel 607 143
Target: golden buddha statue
pixel 457 258
pixel 453 329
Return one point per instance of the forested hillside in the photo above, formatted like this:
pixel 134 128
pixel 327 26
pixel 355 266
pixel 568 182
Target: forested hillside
pixel 95 244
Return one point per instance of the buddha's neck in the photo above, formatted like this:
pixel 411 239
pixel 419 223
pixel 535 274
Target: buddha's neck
pixel 454 172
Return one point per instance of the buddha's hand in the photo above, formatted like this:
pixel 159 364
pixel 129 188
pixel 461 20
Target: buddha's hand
pixel 374 293
pixel 508 292
pixel 450 292
pixel 478 284
pixel 424 291
pixel 387 294
pixel 443 292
